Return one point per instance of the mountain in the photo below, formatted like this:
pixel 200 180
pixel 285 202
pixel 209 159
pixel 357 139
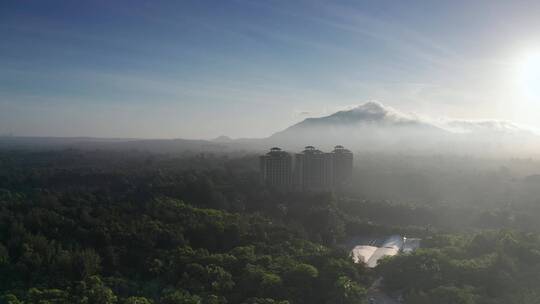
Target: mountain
pixel 371 113
pixel 374 114
pixel 371 126
pixel 375 127
pixel 222 139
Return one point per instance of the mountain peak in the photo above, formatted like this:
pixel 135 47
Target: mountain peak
pixel 222 138
pixel 371 112
pixel 371 107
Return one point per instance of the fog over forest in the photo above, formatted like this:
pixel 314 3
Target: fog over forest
pixel 269 152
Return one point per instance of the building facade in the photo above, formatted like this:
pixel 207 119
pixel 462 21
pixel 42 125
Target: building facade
pixel 343 165
pixel 276 169
pixel 311 170
pixel 314 170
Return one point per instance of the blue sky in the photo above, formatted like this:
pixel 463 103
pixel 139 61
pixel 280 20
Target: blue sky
pixel 199 69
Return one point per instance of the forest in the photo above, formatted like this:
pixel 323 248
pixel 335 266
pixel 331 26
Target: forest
pixel 79 226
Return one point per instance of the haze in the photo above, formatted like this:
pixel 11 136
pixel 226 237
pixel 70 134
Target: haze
pixel 269 152
pixel 194 69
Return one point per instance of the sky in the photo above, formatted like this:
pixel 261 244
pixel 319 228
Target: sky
pixel 200 69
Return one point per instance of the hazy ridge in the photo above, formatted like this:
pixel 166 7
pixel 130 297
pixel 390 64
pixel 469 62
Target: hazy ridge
pixel 370 127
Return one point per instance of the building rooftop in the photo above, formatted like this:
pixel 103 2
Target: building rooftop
pixel 311 150
pixel 340 149
pixel 277 152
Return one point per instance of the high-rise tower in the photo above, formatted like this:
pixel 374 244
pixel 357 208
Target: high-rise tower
pixel 343 164
pixel 314 170
pixel 276 169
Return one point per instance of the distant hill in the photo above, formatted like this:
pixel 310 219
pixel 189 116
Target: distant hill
pixel 370 127
pixel 222 139
pixel 369 113
pixel 375 127
pixel 89 143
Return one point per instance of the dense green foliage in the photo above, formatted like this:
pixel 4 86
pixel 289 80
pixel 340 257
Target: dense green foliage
pixel 104 228
pixel 138 228
pixel 488 267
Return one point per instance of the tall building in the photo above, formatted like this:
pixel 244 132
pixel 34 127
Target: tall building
pixel 343 164
pixel 314 170
pixel 276 169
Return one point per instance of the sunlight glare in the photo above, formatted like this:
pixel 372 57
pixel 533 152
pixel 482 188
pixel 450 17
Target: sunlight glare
pixel 529 75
